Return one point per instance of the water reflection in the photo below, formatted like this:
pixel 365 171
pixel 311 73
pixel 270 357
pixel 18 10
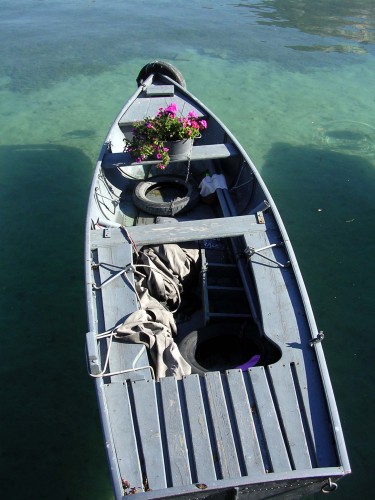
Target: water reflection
pixel 342 49
pixel 352 20
pixel 51 44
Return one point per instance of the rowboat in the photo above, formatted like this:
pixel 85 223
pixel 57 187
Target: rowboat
pixel 208 364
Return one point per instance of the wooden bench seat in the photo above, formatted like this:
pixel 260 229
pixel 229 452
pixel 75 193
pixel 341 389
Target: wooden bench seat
pixel 207 152
pixel 177 232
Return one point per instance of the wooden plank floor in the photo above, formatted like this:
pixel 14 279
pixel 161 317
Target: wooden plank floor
pixel 180 432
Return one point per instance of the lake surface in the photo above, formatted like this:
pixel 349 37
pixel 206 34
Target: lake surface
pixel 294 81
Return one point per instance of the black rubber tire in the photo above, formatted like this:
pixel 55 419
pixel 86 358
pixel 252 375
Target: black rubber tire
pixel 162 68
pixel 183 204
pixel 189 344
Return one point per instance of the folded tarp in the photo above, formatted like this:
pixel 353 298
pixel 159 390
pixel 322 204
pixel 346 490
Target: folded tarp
pixel 155 328
pixel 165 270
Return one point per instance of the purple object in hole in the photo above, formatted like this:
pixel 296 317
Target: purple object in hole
pixel 252 362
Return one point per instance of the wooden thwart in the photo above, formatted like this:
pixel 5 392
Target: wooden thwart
pixel 210 151
pixel 177 232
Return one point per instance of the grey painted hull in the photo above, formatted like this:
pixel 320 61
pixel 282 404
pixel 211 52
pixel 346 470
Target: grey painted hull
pixel 270 430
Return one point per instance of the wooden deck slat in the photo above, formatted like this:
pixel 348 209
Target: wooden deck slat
pixel 201 445
pixel 121 422
pixel 176 441
pixel 245 424
pixel 316 411
pixel 149 429
pixel 270 423
pixel 285 392
pixel 228 458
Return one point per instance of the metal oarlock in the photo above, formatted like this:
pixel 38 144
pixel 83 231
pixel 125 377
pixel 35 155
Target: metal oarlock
pixel 250 251
pixel 317 339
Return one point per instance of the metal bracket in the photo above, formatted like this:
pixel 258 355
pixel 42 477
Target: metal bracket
pixel 91 353
pixel 260 217
pixel 329 487
pixel 128 267
pixel 317 339
pixel 250 251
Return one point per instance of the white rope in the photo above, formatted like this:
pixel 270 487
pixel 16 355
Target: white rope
pixel 111 334
pixel 236 186
pixel 189 160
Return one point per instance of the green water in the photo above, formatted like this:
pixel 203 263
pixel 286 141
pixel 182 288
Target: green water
pixel 294 80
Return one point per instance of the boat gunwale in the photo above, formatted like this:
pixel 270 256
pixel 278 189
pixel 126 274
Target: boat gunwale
pixel 90 299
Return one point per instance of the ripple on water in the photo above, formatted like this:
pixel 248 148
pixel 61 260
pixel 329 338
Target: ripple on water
pixel 348 136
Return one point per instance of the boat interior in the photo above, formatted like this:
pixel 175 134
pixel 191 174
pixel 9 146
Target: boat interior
pixel 241 322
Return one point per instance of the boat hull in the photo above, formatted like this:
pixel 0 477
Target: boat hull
pixel 217 426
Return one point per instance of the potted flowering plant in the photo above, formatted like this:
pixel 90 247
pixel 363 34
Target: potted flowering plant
pixel 152 137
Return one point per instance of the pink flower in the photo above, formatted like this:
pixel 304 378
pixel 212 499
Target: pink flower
pixel 166 150
pixel 192 114
pixel 158 156
pixel 203 123
pixel 172 107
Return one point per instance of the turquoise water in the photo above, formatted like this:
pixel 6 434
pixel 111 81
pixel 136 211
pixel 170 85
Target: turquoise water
pixel 294 80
